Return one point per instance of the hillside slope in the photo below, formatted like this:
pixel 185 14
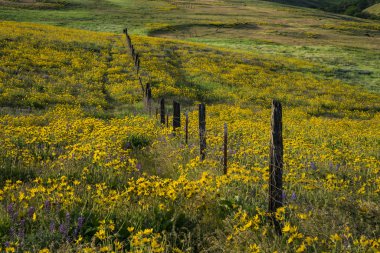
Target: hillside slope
pixel 348 7
pixel 348 47
pixel 85 168
pixel 175 68
pixel 373 10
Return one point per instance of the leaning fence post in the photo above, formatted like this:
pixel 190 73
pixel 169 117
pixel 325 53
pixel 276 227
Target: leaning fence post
pixel 276 164
pixel 142 86
pixel 162 110
pixel 129 42
pixel 202 130
pixel 187 128
pixel 137 63
pixel 225 149
pixel 133 52
pixel 148 97
pixel 176 115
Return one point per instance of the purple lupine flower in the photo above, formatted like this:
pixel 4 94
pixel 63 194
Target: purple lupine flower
pixel 79 226
pixel 52 226
pixel 139 167
pixel 47 206
pixel 75 233
pixel 313 166
pixel 346 242
pixel 11 211
pixel 12 232
pixel 31 211
pixel 283 196
pixel 80 222
pixel 21 230
pixel 63 229
pixel 67 218
pixel 10 208
pixel 65 226
pixel 294 196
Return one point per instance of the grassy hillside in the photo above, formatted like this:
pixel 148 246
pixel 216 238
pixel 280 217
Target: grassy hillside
pixel 84 168
pixel 346 48
pixel 373 10
pixel 348 7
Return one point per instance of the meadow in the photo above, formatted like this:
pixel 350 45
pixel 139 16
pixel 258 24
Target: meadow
pixel 343 47
pixel 71 105
pixel 84 167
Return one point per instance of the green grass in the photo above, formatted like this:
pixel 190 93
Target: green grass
pixel 352 65
pixel 373 10
pixel 342 46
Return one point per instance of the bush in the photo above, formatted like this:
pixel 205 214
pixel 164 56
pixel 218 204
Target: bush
pixel 136 141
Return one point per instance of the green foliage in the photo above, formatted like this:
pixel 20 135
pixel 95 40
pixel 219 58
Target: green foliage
pixel 136 141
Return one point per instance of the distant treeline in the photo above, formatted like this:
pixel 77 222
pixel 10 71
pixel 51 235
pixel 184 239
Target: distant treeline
pixel 348 7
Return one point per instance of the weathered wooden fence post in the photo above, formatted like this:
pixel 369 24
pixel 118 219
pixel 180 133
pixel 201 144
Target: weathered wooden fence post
pixel 225 149
pixel 148 97
pixel 176 115
pixel 137 64
pixel 276 165
pixel 125 31
pixel 162 110
pixel 129 42
pixel 187 128
pixel 142 86
pixel 202 131
pixel 133 52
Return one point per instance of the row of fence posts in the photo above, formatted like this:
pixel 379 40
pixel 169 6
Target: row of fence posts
pixel 146 89
pixel 276 149
pixel 164 119
pixel 276 145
